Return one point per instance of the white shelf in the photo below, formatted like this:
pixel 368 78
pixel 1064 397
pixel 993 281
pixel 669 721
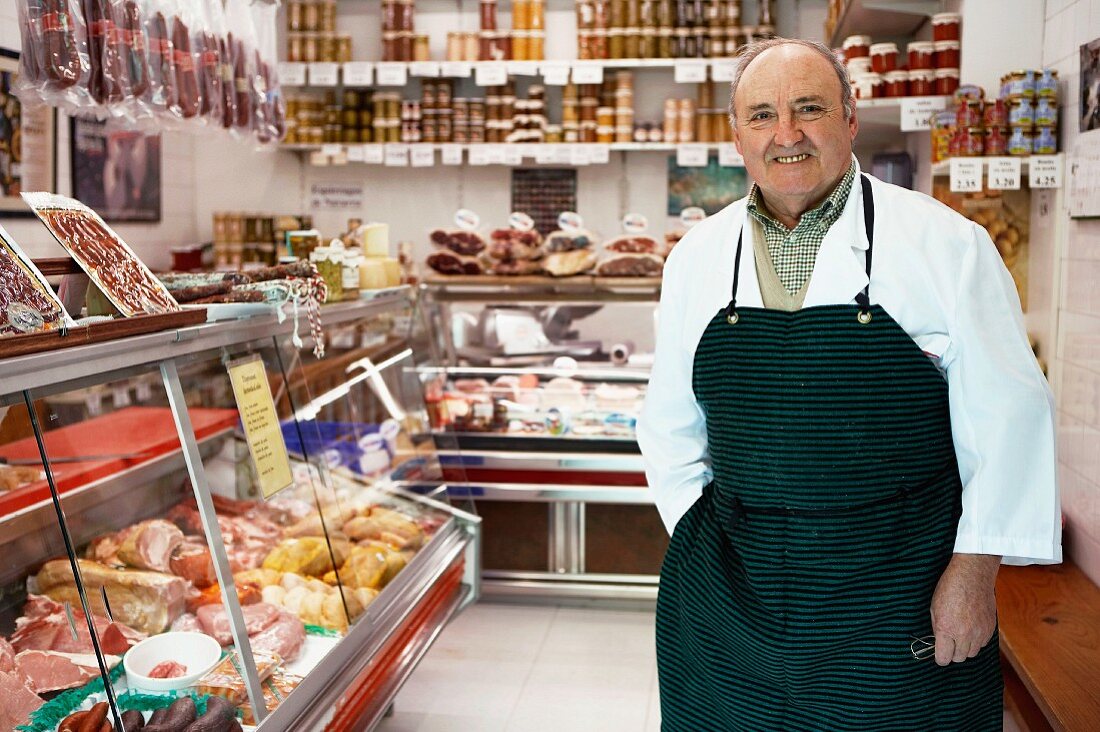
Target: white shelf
pixel 882 18
pixel 885 113
pixel 943 168
pixel 527 149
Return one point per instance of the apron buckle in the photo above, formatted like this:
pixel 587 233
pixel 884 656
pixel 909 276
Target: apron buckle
pixel 864 317
pixel 732 317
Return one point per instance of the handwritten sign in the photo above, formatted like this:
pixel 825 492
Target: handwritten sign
pixel 1004 174
pixel 966 175
pixel 261 426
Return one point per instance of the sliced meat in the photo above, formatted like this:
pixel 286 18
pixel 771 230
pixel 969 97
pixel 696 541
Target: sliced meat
pixel 214 620
pixel 631 265
pixel 193 562
pixel 150 545
pixel 187 623
pixel 45 626
pixel 17 701
pixel 167 670
pixel 53 670
pixel 284 637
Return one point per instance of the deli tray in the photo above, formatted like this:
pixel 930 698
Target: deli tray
pixel 107 330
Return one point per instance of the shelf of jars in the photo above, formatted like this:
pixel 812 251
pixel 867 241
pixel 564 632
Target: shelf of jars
pixel 888 18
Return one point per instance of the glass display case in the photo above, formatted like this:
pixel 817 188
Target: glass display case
pixel 533 394
pixel 210 512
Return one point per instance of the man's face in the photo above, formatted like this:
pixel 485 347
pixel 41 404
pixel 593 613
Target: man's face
pixel 790 126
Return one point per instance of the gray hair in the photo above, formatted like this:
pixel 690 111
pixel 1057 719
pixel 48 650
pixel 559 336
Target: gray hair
pixel 749 52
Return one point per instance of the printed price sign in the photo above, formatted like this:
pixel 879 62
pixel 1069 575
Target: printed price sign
pixel 966 175
pixel 494 154
pixel 456 69
pixel 331 150
pixel 522 68
pixel 555 74
pixel 1004 174
pixel 492 74
pixel 356 154
pixel 728 156
pixel 392 74
pixel 690 72
pixel 562 154
pixel 916 112
pixel 452 154
pixel 324 74
pixel 587 74
pixel 599 154
pixel 424 68
pixel 358 73
pixel 693 155
pixel 1045 171
pixel 544 155
pixel 373 154
pixel 422 155
pixel 397 155
pixel 722 70
pixel 291 74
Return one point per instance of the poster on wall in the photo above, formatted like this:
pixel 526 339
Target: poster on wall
pixel 711 188
pixel 1090 86
pixel 116 172
pixel 28 143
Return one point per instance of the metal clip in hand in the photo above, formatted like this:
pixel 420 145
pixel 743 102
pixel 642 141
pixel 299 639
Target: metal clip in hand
pixel 923 648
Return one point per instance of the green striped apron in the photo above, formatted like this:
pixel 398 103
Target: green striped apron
pixel 794 587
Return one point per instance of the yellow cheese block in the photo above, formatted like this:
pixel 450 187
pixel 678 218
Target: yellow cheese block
pixel 372 274
pixel 376 240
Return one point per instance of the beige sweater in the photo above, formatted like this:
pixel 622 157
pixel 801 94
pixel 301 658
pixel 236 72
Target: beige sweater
pixel 772 291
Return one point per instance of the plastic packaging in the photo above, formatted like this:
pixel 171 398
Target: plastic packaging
pixel 270 117
pixel 189 95
pixel 135 50
pixel 54 65
pixel 240 41
pixel 107 82
pixel 161 95
pixel 208 54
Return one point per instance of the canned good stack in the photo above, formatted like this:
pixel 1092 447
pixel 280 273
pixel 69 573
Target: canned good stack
pixel 877 70
pixel 500 109
pixel 311 33
pixel 524 42
pixel 437 108
pixel 679 120
pixel 468 125
pixel 399 39
pixel 1022 121
pixel 529 120
pixel 711 120
pixel 387 117
pixel 410 121
pixel 626 29
pixel 246 239
pixel 314 119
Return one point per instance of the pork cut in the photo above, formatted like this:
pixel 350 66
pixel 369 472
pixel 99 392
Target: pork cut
pixel 17 701
pixel 214 620
pixel 150 545
pixel 44 626
pixel 283 637
pixel 54 670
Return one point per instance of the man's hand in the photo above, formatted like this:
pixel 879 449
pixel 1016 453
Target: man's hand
pixel 964 607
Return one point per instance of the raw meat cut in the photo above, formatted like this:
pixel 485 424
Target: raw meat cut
pixel 167 670
pixel 17 701
pixel 449 263
pixel 54 670
pixel 214 620
pixel 283 637
pixel 510 244
pixel 145 601
pixel 150 545
pixel 631 265
pixel 569 241
pixel 633 245
pixel 187 623
pixel 193 562
pixel 247 539
pixel 44 626
pixel 464 243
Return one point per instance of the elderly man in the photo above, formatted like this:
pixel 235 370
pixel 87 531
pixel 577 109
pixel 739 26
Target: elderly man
pixel 846 433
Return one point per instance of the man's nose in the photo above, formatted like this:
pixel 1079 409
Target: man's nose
pixel 788 132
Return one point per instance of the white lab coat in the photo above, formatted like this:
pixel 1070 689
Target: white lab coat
pixel 941 278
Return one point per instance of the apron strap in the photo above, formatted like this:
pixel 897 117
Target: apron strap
pixel 863 298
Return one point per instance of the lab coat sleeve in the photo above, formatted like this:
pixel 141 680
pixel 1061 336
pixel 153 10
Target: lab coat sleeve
pixel 672 429
pixel 1002 417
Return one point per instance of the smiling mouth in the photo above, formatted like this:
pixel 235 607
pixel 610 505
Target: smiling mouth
pixel 792 158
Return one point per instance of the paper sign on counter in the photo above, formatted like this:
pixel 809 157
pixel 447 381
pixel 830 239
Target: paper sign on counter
pixel 728 156
pixel 397 154
pixel 292 74
pixel 490 74
pixel 692 155
pixel 451 154
pixel 358 73
pixel 916 112
pixel 690 72
pixel 1044 171
pixel 422 155
pixel 1004 174
pixel 260 421
pixel 324 74
pixel 392 74
pixel 966 175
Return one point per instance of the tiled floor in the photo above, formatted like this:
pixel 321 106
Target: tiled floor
pixel 519 668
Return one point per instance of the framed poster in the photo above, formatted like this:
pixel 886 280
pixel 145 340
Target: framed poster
pixel 116 172
pixel 28 143
pixel 711 188
pixel 1090 86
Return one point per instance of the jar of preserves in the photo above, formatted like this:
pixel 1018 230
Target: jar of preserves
pixel 995 113
pixel 1046 85
pixel 946 26
pixel 389 45
pixel 1046 140
pixel 920 55
pixel 330 266
pixel 947 81
pixel 521 14
pixel 537 18
pixel 856 47
pixel 632 43
pixel 884 57
pixel 349 272
pixel 968 114
pixel 421 48
pixel 896 84
pixel 488 15
pixel 1021 113
pixel 343 49
pixel 1046 111
pixel 405 13
pixel 922 82
pixel 327 47
pixel 327 16
pixel 311 16
pixel 295 50
pixel 664 43
pixel 972 142
pixel 295 15
pixel 863 85
pixel 405 46
pixel 389 15
pixel 1018 85
pixel 996 141
pixel 858 66
pixel 945 54
pixel 1021 141
pixel 717 41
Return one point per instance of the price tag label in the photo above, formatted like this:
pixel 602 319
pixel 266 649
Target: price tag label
pixel 373 154
pixel 728 156
pixel 479 155
pixel 494 154
pixel 324 74
pixel 545 154
pixel 692 215
pixel 561 154
pixel 120 396
pixel 358 73
pixel 456 69
pixel 424 68
pixel 356 154
pixel 513 155
pixel 467 220
pixel 491 74
pixel 1004 174
pixel 916 112
pixel 451 154
pixel 587 74
pixel 690 72
pixel 966 175
pixel 722 70
pixel 555 74
pixel 397 155
pixel 292 74
pixel 1045 171
pixel 143 391
pixel 331 150
pixel 579 155
pixel 693 155
pixel 599 154
pixel 318 159
pixel 529 149
pixel 635 224
pixel 522 68
pixel 570 221
pixel 422 155
pixel 521 221
pixel 392 74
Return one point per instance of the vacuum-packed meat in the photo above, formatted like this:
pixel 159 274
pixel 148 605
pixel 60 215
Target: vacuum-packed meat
pixel 449 263
pixel 633 245
pixel 516 267
pixel 512 244
pixel 631 265
pixel 465 243
pixel 569 241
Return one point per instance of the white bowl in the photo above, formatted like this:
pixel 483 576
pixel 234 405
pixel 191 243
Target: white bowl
pixel 198 652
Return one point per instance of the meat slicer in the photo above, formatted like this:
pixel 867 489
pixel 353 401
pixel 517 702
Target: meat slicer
pixel 508 335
